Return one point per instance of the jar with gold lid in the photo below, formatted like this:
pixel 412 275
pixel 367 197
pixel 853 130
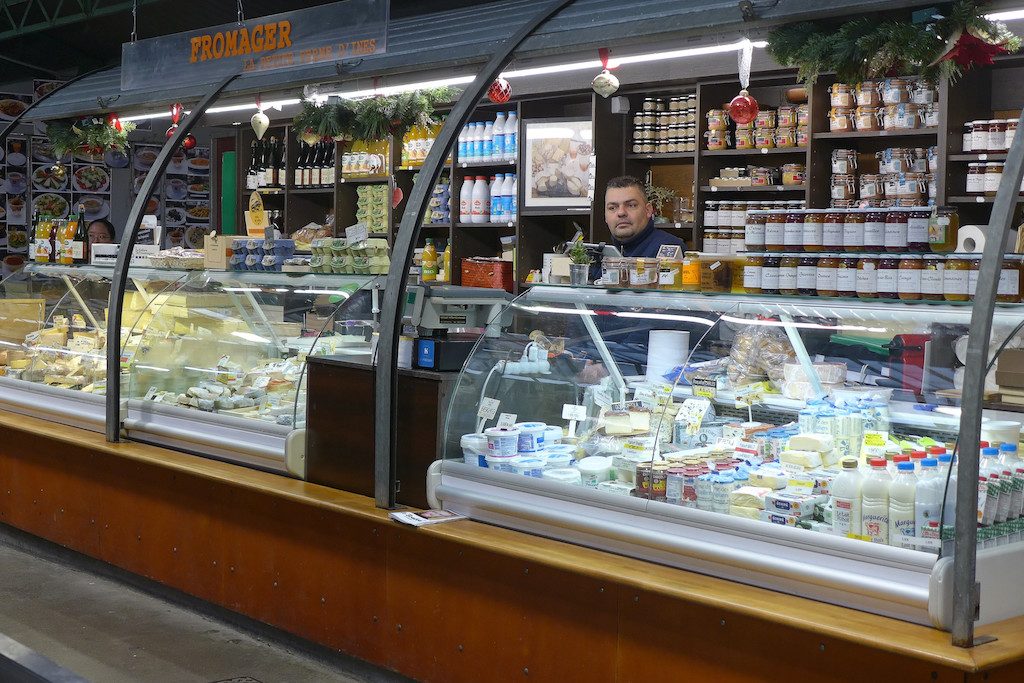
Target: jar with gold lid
pixel 956 278
pixel 867 118
pixel 841 95
pixel 841 119
pixel 932 268
pixel 869 93
pixel 867 276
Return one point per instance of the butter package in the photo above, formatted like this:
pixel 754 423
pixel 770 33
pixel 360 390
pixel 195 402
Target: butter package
pixel 618 488
pixel 768 477
pixel 749 496
pixel 743 431
pixel 820 443
pixel 779 518
pixel 795 504
pixel 822 481
pixel 807 459
pixel 745 512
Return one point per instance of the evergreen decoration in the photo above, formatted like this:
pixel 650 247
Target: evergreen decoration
pixel 659 197
pixel 92 135
pixel 373 118
pixel 328 120
pixel 944 46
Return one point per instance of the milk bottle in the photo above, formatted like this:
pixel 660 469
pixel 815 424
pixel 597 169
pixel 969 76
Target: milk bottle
pixel 511 136
pixel 928 499
pixel 463 152
pixel 488 146
pixel 466 200
pixel 1009 456
pixel 901 506
pixel 481 200
pixel 990 468
pixel 874 501
pixel 846 511
pixel 947 467
pixel 497 181
pixel 508 194
pixel 498 149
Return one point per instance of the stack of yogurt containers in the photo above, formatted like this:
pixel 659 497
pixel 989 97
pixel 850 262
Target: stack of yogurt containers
pixel 530 449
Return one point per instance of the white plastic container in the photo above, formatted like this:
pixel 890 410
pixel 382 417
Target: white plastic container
pixel 511 136
pixel 498 129
pixel 481 200
pixel 552 436
pixel 528 466
pixel 488 146
pixel 1000 431
pixel 466 200
pixel 902 512
pixel 531 436
pixel 494 190
pixel 928 499
pixel 874 502
pixel 502 441
pixel 501 463
pixel 570 476
pixel 474 449
pixel 594 469
pixel 508 193
pixel 846 511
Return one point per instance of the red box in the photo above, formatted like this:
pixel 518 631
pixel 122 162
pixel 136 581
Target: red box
pixel 491 273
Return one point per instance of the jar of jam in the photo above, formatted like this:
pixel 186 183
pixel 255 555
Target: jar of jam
pixel 895 90
pixel 803 115
pixel 832 229
pixel 844 186
pixel 1008 290
pixel 793 231
pixel 1011 131
pixel 717 139
pixel 968 137
pixel 997 135
pixel 979 136
pixel 869 93
pixel 814 223
pixel 840 119
pixel 874 229
pixel 761 176
pixel 844 161
pixel 853 230
pixel 841 95
pixel 774 230
pixel 785 137
pixel 745 139
pixel 868 118
pixel 786 116
pixel 715 274
pixel 993 176
pixel 770 273
pixel 885 276
pixel 896 230
pixel 956 278
pixel 807 275
pixel 973 268
pixel 764 138
pixel 717 120
pixel 754 230
pixel 825 275
pixel 918 219
pixel 787 274
pixel 711 214
pixel 908 277
pixel 725 215
pixel 690 272
pixel 765 118
pixel 752 272
pixel 871 186
pixel 932 269
pixel 803 136
pixel 846 276
pixel 793 174
pixel 738 243
pixel 867 276
pixel 975 178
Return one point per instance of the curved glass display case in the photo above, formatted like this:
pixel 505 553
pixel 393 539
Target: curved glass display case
pixel 800 445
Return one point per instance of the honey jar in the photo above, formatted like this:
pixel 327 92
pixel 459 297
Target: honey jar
pixel 932 268
pixel 908 277
pixel 825 274
pixel 956 278
pixel 867 276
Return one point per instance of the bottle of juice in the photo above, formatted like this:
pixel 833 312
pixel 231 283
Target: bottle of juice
pixel 66 240
pixel 43 252
pixel 429 260
pixel 446 259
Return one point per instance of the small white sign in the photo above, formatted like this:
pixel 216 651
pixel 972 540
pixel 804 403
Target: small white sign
pixel 571 411
pixel 488 408
pixel 354 234
pixel 645 396
pixel 506 420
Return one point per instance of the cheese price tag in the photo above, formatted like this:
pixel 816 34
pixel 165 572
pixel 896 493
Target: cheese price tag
pixel 860 537
pixel 645 397
pixel 571 411
pixel 703 386
pixel 354 234
pixel 602 399
pixel 261 382
pixel 506 420
pixel 802 485
pixel 793 470
pixel 150 394
pixel 750 395
pixel 488 408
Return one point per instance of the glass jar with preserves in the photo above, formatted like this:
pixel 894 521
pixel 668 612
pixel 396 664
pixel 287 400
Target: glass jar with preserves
pixel 770 273
pixel 929 115
pixel 896 230
pixel 614 272
pixel 793 174
pixel 1011 131
pixel 846 276
pixel 738 243
pixel 993 176
pixel 844 161
pixel 973 268
pixel 975 178
pixel 997 135
pixel 841 95
pixel 739 215
pixel 764 138
pixel 895 90
pixel 840 119
pixel 752 272
pixel 885 276
pixel 867 276
pixel 813 229
pixel 717 139
pixel 910 186
pixel 968 137
pixel 918 219
pixel 1008 289
pixel 932 268
pixel 825 275
pixel 715 274
pixel 979 136
pixel 908 278
pixel 793 231
pixel 874 229
pixel 868 93
pixel 754 230
pixel 786 116
pixel 853 230
pixel 923 92
pixel 803 136
pixel 787 274
pixel 774 230
pixel 690 272
pixel 725 210
pixel 832 229
pixel 744 139
pixel 765 118
pixel 785 137
pixel 670 274
pixel 803 115
pixel 648 104
pixel 643 273
pixel 807 275
pixel 868 118
pixel 956 278
pixel 902 116
pixel 871 186
pixel 844 186
pixel 711 214
pixel 762 176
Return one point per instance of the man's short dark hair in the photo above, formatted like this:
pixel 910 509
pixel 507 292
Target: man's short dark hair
pixel 624 181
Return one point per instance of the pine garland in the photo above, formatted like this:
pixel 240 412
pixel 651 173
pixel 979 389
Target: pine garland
pixel 92 135
pixel 373 118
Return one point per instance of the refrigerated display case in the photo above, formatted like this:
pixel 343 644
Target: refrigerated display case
pixel 708 432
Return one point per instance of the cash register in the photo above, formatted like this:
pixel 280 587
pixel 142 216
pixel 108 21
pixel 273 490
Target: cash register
pixel 449 319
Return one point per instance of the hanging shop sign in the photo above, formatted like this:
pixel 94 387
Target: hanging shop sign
pixel 290 40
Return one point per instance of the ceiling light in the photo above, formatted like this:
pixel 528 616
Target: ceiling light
pixel 1008 15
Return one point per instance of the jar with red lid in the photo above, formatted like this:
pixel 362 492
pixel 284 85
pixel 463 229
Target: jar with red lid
pixel 932 267
pixel 793 231
pixel 832 229
pixel 825 275
pixel 896 230
pixel 807 275
pixel 813 229
pixel 885 277
pixel 908 277
pixel 867 276
pixel 853 230
pixel 775 230
pixel 918 219
pixel 846 276
pixel 770 274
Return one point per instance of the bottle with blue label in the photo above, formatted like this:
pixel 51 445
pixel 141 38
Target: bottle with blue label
pixel 488 146
pixel 498 130
pixel 463 143
pixel 513 200
pixel 497 183
pixel 511 136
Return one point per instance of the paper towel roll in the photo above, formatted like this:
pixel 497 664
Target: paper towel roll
pixel 991 385
pixel 970 240
pixel 665 350
pixel 960 348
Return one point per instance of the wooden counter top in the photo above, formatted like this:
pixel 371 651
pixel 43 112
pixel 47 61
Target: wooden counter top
pixel 902 638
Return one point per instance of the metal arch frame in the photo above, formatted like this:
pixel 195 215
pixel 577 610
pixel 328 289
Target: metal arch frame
pixel 124 256
pixel 966 592
pixel 17 119
pixel 392 308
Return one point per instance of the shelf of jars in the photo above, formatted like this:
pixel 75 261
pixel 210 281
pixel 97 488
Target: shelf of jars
pixel 666 156
pixel 756 188
pixel 856 134
pixel 664 128
pixel 753 152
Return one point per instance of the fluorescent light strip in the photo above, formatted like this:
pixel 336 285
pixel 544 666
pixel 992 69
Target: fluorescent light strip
pixel 1008 15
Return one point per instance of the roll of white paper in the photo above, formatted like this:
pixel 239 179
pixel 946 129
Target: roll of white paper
pixel 970 240
pixel 665 350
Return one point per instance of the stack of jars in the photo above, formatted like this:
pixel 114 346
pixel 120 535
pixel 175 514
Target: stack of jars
pixel 785 127
pixel 989 136
pixel 666 125
pixel 725 223
pixel 890 104
pixel 905 178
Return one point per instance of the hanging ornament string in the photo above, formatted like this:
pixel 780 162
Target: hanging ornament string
pixel 259 121
pixel 745 56
pixel 241 12
pixel 604 84
pixel 135 19
pixel 743 108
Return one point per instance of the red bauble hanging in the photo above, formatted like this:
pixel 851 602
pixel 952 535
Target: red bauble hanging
pixel 171 130
pixel 176 112
pixel 500 91
pixel 115 123
pixel 743 108
pixel 189 142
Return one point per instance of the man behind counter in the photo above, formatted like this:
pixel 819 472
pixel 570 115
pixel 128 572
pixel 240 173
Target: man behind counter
pixel 630 218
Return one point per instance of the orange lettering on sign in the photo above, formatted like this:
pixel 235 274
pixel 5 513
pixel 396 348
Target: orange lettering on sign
pixel 231 44
pixel 207 40
pixel 218 45
pixel 284 34
pixel 195 48
pixel 243 41
pixel 257 39
pixel 270 43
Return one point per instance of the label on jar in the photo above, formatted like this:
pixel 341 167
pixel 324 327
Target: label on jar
pixel 812 234
pixel 954 281
pixel 908 281
pixel 975 183
pixel 666 278
pixel 931 281
pixel 773 233
pixel 968 142
pixel 937 230
pixel 840 191
pixel 752 277
pixel 896 235
pixel 867 282
pixel 770 278
pixel 610 277
pixel 874 233
pixel 846 279
pixel 787 277
pixel 806 277
pixel 885 280
pixel 754 235
pixel 972 282
pixel 711 245
pixel 853 236
pixel 992 181
pixel 711 218
pixel 825 279
pixel 979 139
pixel 832 234
pixel 841 166
pixel 792 234
pixel 1009 282
pixel 917 230
pixel 996 139
pixel 868 190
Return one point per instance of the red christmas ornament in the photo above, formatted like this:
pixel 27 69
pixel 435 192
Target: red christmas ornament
pixel 176 111
pixel 189 142
pixel 500 91
pixel 743 108
pixel 170 131
pixel 968 50
pixel 115 123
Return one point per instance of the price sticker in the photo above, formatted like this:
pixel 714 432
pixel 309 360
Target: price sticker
pixel 750 395
pixel 488 408
pixel 876 439
pixel 793 470
pixel 354 234
pixel 746 448
pixel 705 387
pixel 571 411
pixel 645 396
pixel 860 537
pixel 802 485
pixel 150 394
pixel 261 382
pixel 506 420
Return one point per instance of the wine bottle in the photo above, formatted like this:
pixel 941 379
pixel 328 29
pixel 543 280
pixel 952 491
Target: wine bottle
pixel 269 170
pixel 250 176
pixel 282 170
pixel 300 162
pixel 261 166
pixel 80 243
pixel 315 171
pixel 327 175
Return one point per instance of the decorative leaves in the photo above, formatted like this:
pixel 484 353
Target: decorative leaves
pixel 373 118
pixel 94 135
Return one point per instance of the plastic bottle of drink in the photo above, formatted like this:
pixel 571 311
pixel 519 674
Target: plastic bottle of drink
pixel 874 501
pixel 498 150
pixel 429 261
pixel 478 142
pixel 846 512
pixel 466 200
pixel 947 467
pixel 895 462
pixel 916 457
pixel 513 200
pixel 928 501
pixel 511 136
pixel 488 146
pixel 991 468
pixel 508 195
pixel 497 182
pixel 902 509
pixel 481 200
pixel 446 260
pixel 1010 457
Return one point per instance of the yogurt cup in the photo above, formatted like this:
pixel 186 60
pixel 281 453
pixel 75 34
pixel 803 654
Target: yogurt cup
pixel 502 441
pixel 528 465
pixel 594 469
pixel 531 436
pixel 501 463
pixel 474 449
pixel 569 475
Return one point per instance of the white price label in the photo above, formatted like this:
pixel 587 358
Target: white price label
pixel 601 398
pixel 354 234
pixel 150 394
pixel 792 469
pixel 488 408
pixel 645 396
pixel 571 411
pixel 506 420
pixel 261 382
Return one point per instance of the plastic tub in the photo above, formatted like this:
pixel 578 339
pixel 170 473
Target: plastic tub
pixel 474 449
pixel 568 475
pixel 501 463
pixel 559 457
pixel 531 436
pixel 528 465
pixel 552 435
pixel 1000 431
pixel 502 441
pixel 594 470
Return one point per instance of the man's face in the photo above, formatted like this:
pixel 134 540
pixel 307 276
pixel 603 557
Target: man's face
pixel 626 211
pixel 98 234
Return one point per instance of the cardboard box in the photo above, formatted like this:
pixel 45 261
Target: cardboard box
pixel 1010 368
pixel 216 252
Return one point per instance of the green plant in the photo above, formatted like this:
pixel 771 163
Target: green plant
pixel 319 121
pixel 93 135
pixel 373 118
pixel 659 196
pixel 579 255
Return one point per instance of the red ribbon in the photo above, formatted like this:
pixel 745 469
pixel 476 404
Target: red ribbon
pixel 259 102
pixel 603 53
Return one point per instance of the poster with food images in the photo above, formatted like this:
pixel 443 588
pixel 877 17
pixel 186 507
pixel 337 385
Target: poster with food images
pixel 182 196
pixel 15 194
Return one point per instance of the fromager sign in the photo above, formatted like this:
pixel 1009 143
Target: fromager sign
pixel 327 33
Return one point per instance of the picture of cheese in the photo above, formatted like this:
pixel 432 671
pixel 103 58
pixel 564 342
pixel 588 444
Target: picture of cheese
pixel 749 497
pixel 805 459
pixel 820 443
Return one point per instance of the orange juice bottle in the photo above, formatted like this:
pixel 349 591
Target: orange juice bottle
pixel 66 240
pixel 44 247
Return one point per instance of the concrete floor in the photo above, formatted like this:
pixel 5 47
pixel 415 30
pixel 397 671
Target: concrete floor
pixel 105 630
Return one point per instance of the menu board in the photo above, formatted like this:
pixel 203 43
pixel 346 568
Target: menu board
pixel 14 197
pixel 181 200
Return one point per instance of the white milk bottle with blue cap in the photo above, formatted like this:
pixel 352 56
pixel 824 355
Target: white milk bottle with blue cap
pixel 494 211
pixel 901 506
pixel 991 468
pixel 487 149
pixel 846 512
pixel 513 200
pixel 463 143
pixel 928 499
pixel 511 136
pixel 498 130
pixel 947 472
pixel 508 193
pixel 1011 458
pixel 874 502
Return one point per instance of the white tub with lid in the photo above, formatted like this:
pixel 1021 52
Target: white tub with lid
pixel 595 469
pixel 531 436
pixel 474 449
pixel 501 463
pixel 569 475
pixel 502 441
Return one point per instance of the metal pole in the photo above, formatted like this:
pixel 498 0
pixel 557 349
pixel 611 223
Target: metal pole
pixel 393 307
pixel 124 257
pixel 966 597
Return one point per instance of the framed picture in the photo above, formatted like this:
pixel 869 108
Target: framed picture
pixel 558 162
